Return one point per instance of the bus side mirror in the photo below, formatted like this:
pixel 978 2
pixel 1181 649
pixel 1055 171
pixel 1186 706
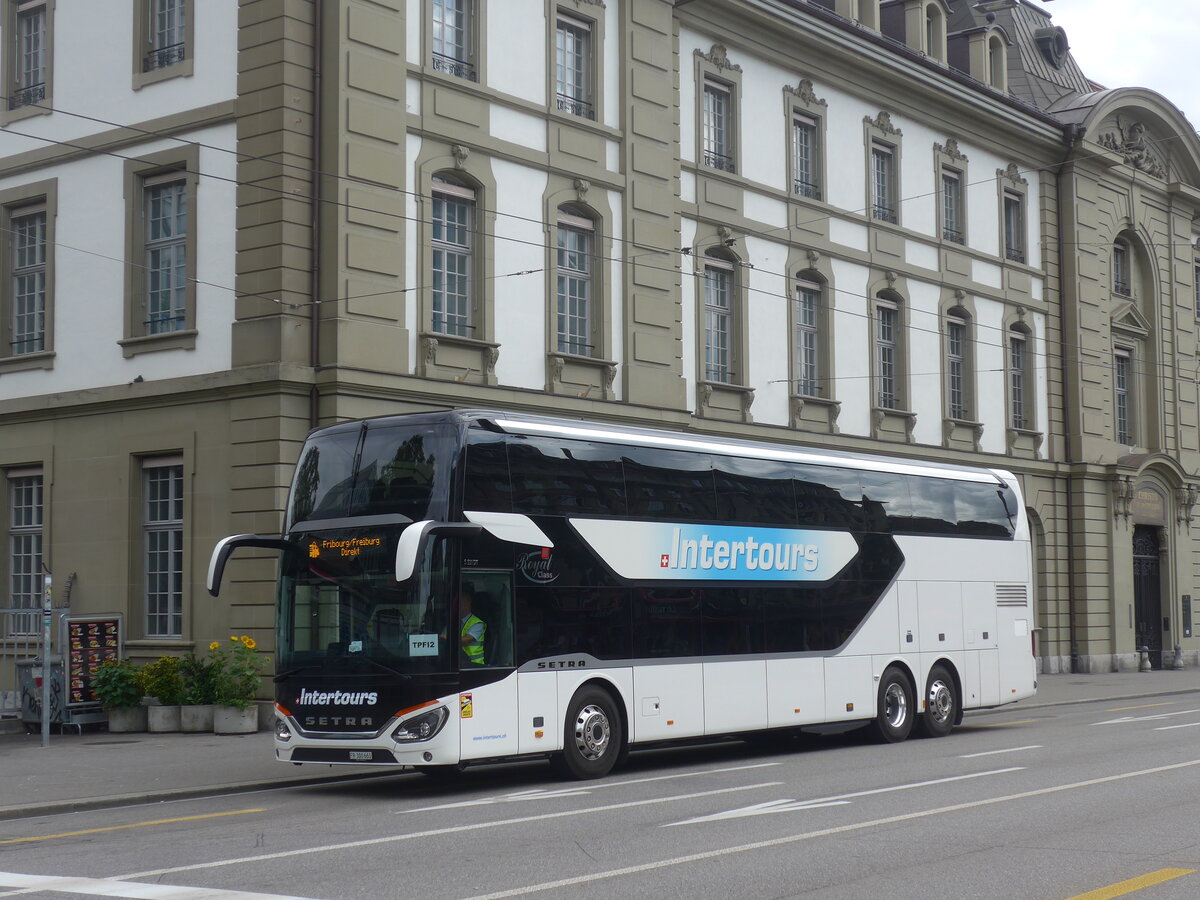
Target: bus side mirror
pixel 415 539
pixel 226 546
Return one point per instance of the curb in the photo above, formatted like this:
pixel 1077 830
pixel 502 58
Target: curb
pixel 83 804
pixel 1105 698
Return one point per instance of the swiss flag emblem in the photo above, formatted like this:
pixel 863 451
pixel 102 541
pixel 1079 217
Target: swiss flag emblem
pixel 664 560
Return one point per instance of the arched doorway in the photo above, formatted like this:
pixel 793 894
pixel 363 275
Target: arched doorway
pixel 1147 592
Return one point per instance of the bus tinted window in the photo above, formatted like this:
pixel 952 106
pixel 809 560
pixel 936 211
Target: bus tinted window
pixel 984 509
pixel 732 622
pixel 886 504
pixel 324 478
pixel 753 490
pixel 668 484
pixel 487 485
pixel 565 477
pixel 828 497
pixel 399 470
pixel 933 507
pixel 666 622
pixel 561 620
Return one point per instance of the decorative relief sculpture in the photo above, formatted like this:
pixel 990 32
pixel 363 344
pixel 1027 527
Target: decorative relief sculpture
pixel 804 93
pixel 718 58
pixel 429 348
pixel 883 123
pixel 1012 173
pixel 460 154
pixel 950 150
pixel 1131 143
pixel 490 358
pixel 582 186
pixel 1185 499
pixel 1122 494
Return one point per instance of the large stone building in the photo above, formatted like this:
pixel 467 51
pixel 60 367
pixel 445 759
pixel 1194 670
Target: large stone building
pixel 907 226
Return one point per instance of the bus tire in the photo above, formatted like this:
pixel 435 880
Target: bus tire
pixel 941 704
pixel 592 736
pixel 896 709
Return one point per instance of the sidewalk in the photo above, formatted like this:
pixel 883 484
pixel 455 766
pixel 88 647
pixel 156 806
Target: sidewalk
pixel 97 769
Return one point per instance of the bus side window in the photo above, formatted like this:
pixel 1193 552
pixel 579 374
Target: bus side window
pixel 493 604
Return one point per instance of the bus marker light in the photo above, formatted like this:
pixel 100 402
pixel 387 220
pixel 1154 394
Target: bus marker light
pixel 545 553
pixel 283 709
pixel 849 707
pixel 538 734
pixel 796 711
pixel 670 721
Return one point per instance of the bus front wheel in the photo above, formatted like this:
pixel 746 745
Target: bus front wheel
pixel 941 704
pixel 895 712
pixel 593 737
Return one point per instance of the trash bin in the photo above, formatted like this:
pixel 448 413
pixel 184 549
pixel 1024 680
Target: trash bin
pixel 29 681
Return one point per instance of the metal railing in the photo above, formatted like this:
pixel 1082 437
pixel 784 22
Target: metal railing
pixel 806 189
pixel 720 161
pixel 884 214
pixel 451 66
pixel 575 107
pixel 164 57
pixel 28 96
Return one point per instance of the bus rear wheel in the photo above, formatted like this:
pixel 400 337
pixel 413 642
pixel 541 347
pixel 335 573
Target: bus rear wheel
pixel 593 737
pixel 941 704
pixel 895 711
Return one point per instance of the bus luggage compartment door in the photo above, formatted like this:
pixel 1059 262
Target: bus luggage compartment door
pixel 669 702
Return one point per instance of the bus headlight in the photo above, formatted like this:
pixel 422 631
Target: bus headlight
pixel 282 731
pixel 422 727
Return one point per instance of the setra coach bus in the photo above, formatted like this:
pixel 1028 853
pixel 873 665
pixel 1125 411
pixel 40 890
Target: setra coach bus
pixel 473 585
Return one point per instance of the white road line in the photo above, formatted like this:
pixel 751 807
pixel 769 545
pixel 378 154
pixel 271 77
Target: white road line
pixel 1124 720
pixel 434 832
pixel 824 832
pixel 793 805
pixel 105 887
pixel 1005 750
pixel 554 793
pixel 1169 727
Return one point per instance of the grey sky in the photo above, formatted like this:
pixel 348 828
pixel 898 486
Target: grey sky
pixel 1144 43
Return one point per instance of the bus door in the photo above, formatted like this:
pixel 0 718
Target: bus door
pixel 488 696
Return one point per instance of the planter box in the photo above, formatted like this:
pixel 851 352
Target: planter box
pixel 197 718
pixel 163 719
pixel 121 721
pixel 231 720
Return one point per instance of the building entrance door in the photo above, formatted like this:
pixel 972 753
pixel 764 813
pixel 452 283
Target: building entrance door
pixel 1147 596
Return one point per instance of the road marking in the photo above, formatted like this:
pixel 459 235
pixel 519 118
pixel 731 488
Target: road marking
pixel 1127 719
pixel 107 887
pixel 1003 724
pixel 435 832
pixel 67 834
pixel 1169 727
pixel 1121 888
pixel 1143 706
pixel 775 806
pixel 1005 750
pixel 555 793
pixel 826 832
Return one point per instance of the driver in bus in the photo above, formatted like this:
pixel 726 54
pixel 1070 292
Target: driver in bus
pixel 471 628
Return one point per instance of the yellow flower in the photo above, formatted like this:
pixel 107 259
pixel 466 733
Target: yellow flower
pixel 214 645
pixel 249 642
pixel 233 638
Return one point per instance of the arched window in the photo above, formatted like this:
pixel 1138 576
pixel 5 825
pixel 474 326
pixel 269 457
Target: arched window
pixel 935 32
pixel 997 62
pixel 452 248
pixel 575 289
pixel 1122 268
pixel 720 317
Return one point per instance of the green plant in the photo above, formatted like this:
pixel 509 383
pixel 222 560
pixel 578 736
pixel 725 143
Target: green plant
pixel 238 669
pixel 164 680
pixel 199 680
pixel 118 684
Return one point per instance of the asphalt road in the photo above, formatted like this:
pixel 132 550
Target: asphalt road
pixel 1044 803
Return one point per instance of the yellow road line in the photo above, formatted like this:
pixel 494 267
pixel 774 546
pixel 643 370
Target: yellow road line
pixel 1143 706
pixel 1121 888
pixel 67 834
pixel 1002 724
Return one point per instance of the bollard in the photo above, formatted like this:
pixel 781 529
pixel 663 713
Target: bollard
pixel 1177 662
pixel 1144 663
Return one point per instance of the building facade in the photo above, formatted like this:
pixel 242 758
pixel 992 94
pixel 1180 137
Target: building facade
pixel 908 226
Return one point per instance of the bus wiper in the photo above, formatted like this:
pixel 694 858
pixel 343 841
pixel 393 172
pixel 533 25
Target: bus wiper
pixel 384 666
pixel 279 676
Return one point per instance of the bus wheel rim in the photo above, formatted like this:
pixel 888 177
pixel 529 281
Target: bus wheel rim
pixel 941 702
pixel 895 705
pixel 592 732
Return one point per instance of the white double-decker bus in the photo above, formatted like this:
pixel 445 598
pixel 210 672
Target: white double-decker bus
pixel 476 585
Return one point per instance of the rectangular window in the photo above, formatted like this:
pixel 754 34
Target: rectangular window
pixel 574 319
pixel 572 65
pixel 453 212
pixel 29 81
pixel 807 335
pixel 28 232
pixel 1014 227
pixel 718 321
pixel 452 37
pixel 883 184
pixel 956 367
pixel 1017 362
pixel 887 318
pixel 1120 269
pixel 162 537
pixel 167 34
pixel 952 210
pixel 1122 408
pixel 718 125
pixel 166 221
pixel 25 551
pixel 804 158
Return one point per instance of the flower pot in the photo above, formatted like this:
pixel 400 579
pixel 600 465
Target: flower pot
pixel 196 718
pixel 231 720
pixel 126 719
pixel 163 718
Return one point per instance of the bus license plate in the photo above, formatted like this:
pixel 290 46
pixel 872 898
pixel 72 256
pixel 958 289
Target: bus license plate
pixel 364 755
